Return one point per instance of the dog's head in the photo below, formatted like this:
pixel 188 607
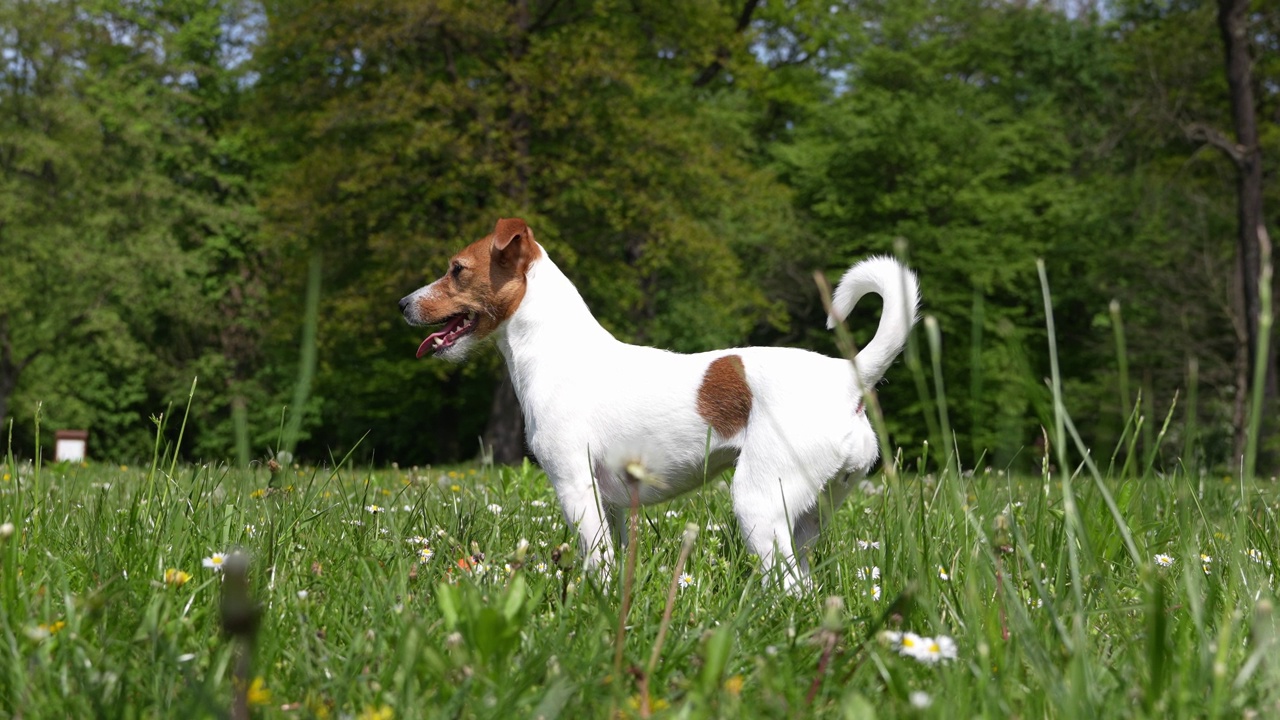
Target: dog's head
pixel 482 288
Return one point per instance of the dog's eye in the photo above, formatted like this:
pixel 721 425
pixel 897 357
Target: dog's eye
pixel 456 270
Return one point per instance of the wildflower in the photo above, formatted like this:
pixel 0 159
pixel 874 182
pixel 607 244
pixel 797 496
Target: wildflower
pixel 1206 559
pixel 43 631
pixel 215 561
pixel 258 692
pixel 868 544
pixel 920 699
pixel 672 514
pixel 175 577
pixel 374 509
pixel 302 594
pixel 875 593
pixel 425 554
pixel 942 573
pixel 733 685
pixel 259 493
pixel 908 643
pixel 251 530
pixel 416 540
pixel 686 580
pixel 1164 560
pixel 538 503
pixel 1257 556
pixel 455 488
pixel 379 713
pixel 654 703
pixel 7 477
pixel 871 573
pixel 924 649
pixel 541 567
pixel 495 508
pixel 933 650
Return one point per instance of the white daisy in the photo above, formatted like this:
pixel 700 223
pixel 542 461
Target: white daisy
pixel 215 561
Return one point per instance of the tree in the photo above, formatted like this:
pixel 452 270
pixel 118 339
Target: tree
pixel 106 216
pixel 1252 241
pixel 958 126
pixel 404 133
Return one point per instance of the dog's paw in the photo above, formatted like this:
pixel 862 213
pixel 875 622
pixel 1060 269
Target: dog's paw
pixel 600 565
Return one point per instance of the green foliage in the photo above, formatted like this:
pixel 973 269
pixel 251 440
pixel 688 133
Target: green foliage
pixel 403 135
pixel 170 168
pixel 123 219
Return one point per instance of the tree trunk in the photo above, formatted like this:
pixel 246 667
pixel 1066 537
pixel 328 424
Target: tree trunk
pixel 504 435
pixel 1247 153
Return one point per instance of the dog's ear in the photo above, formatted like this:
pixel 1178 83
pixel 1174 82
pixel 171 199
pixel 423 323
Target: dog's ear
pixel 510 230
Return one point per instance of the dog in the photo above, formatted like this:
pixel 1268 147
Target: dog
pixel 792 422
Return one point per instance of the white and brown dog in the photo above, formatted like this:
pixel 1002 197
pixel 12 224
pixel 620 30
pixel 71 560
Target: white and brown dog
pixel 790 420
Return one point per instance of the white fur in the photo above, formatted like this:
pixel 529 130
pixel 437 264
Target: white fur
pixel 592 404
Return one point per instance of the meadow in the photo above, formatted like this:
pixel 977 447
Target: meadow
pixel 346 592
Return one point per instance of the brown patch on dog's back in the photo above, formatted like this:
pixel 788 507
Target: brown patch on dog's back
pixel 724 398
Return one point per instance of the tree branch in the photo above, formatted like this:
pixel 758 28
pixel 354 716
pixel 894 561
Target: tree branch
pixel 722 53
pixel 1201 132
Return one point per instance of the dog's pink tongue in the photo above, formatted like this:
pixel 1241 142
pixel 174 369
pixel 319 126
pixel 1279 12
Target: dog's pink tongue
pixel 425 347
pixel 428 345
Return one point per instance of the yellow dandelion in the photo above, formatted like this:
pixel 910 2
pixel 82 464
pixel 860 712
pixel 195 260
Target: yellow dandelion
pixel 53 628
pixel 259 493
pixel 455 488
pixel 733 685
pixel 378 713
pixel 654 703
pixel 259 694
pixel 176 577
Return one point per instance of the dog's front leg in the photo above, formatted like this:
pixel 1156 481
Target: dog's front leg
pixel 583 508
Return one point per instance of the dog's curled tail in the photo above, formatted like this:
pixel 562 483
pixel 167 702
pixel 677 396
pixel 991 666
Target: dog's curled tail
pixel 897 285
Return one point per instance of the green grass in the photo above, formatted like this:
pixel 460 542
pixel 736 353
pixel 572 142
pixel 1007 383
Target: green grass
pixel 1044 627
pixel 1056 590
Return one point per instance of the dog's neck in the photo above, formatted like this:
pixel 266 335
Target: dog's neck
pixel 552 332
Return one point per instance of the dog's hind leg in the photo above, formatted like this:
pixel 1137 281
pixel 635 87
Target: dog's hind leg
pixel 813 521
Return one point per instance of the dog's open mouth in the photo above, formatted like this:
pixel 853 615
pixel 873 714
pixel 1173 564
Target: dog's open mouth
pixel 454 327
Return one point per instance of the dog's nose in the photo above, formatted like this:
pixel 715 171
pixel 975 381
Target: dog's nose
pixel 404 303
